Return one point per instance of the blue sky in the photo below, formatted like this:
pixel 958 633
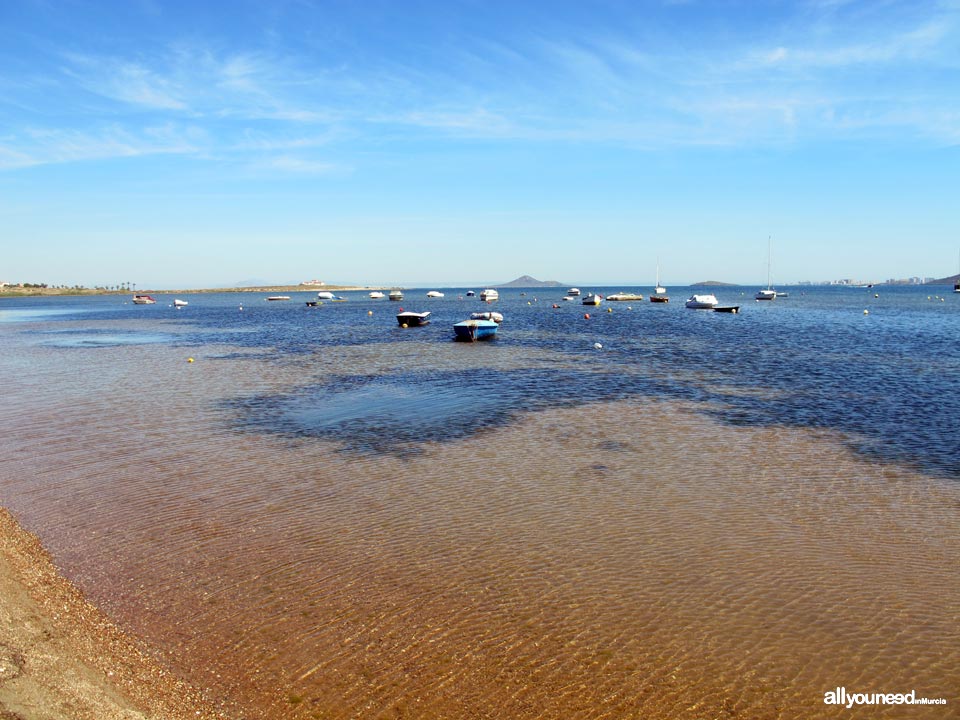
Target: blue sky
pixel 200 143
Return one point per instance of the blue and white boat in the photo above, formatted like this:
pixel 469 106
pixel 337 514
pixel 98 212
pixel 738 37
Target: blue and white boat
pixel 471 330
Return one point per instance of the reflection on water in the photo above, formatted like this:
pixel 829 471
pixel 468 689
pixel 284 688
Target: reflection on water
pixel 559 544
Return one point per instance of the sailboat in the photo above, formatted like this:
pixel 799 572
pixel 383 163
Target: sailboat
pixel 769 293
pixel 956 285
pixel 659 293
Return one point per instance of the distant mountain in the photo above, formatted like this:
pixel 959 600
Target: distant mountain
pixel 713 283
pixel 944 281
pixel 525 281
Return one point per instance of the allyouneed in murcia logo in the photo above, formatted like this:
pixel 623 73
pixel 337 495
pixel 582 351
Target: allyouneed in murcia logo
pixel 840 696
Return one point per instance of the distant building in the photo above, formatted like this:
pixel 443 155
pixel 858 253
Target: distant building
pixel 313 283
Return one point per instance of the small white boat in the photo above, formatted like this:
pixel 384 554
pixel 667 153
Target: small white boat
pixel 495 316
pixel 592 299
pixel 143 300
pixel 573 291
pixel 782 294
pixel 622 297
pixel 325 295
pixel 470 293
pixel 568 297
pixel 702 302
pixel 396 295
pixel 278 297
pixel 180 303
pixel 434 294
pixel 489 295
pixel 376 295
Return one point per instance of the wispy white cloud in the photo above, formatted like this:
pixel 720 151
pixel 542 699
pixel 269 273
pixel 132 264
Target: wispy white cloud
pixel 292 165
pixel 42 146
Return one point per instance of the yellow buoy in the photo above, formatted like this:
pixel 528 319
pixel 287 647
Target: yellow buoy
pixel 404 325
pixel 189 359
pixel 609 309
pixel 369 312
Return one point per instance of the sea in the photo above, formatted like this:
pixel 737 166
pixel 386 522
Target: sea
pixel 631 510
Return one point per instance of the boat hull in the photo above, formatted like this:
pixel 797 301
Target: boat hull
pixel 624 297
pixel 659 298
pixel 412 319
pixel 472 330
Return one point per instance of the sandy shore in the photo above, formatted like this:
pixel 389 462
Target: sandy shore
pixel 61 658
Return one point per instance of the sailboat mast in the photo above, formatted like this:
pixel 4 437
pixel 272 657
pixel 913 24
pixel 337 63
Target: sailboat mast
pixel 769 248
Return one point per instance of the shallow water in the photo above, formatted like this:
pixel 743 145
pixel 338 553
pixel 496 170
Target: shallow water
pixel 328 515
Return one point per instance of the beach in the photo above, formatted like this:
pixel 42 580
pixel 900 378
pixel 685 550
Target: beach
pixel 61 657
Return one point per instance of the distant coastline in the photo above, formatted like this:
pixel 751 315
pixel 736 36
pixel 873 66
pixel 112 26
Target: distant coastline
pixel 16 291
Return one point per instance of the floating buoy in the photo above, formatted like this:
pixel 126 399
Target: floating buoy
pixel 598 346
pixel 555 305
pixel 241 307
pixel 369 312
pixel 609 309
pixel 629 307
pixel 866 312
pixel 586 316
pixel 404 326
pixel 876 294
pixel 189 359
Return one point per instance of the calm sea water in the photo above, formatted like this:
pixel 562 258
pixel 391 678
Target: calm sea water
pixel 327 515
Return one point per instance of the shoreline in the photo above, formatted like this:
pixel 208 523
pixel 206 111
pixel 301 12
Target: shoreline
pixel 84 292
pixel 60 656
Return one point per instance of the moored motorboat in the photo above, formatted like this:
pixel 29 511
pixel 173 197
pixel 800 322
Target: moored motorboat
pixel 180 303
pixel 376 295
pixel 495 316
pixel 470 293
pixel 489 295
pixel 702 302
pixel 325 295
pixel 727 308
pixel 470 330
pixel 412 319
pixel 624 296
pixel 592 299
pixel 143 300
pixel 574 292
pixel 434 294
pixel 278 297
pixel 396 295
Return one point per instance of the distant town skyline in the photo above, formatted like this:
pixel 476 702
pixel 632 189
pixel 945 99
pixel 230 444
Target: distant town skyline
pixel 463 143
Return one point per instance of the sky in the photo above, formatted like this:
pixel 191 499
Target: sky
pixel 199 143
